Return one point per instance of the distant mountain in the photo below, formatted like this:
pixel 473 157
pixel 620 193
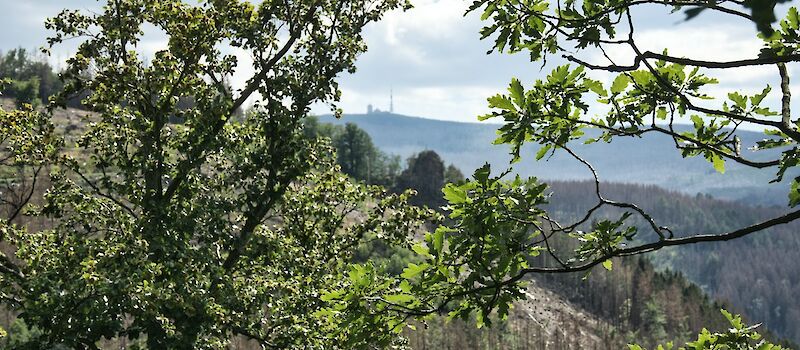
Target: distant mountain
pixel 651 159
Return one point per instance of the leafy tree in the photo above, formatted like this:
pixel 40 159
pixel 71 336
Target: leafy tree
pixel 425 173
pixel 453 174
pixel 190 235
pixel 21 67
pixel 355 152
pixel 655 320
pixel 25 91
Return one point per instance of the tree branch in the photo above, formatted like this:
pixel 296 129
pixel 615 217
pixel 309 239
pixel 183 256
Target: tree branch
pixel 786 100
pixel 761 61
pixel 192 162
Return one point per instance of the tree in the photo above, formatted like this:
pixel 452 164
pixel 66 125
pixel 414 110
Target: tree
pixel 25 91
pixel 356 154
pixel 22 68
pixel 190 235
pixel 425 174
pixel 453 174
pixel 355 151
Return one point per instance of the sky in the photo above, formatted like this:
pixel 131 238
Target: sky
pixel 431 59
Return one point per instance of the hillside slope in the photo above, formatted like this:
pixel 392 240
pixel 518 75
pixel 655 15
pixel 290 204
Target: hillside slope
pixel 757 274
pixel 545 320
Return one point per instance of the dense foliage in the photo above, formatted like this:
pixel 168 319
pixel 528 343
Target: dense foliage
pixel 425 174
pixel 217 228
pixel 32 80
pixel 224 226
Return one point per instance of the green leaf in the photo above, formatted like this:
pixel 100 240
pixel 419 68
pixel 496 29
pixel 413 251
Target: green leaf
pixel 661 113
pixel 454 194
pixel 438 240
pixel 501 102
pixel 413 270
pixel 738 99
pixel 486 116
pixel 794 193
pixel 400 299
pixel 608 264
pixel 756 99
pixel 517 92
pixel 332 295
pixel 793 18
pixel 619 84
pixel 719 163
pixel 421 249
pixel 405 286
pixel 482 174
pixel 697 121
pixel 559 74
pixel 595 86
pixel 488 12
pixel 542 151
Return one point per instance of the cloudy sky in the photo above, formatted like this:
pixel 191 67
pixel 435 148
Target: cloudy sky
pixel 432 60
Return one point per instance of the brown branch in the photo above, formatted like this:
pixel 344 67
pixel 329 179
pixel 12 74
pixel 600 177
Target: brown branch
pixel 685 61
pixel 28 197
pixel 786 99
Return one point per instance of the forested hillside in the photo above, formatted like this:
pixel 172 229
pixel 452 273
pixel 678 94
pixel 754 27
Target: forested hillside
pixel 756 274
pixel 651 159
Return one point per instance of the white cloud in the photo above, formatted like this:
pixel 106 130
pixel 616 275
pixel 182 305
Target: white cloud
pixel 438 68
pixel 714 42
pixel 726 42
